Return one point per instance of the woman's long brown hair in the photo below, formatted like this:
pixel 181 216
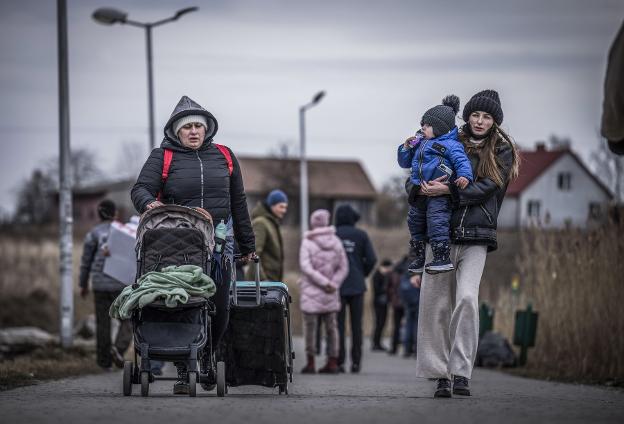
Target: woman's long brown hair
pixel 488 160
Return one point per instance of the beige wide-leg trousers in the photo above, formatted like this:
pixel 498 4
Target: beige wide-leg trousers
pixel 448 320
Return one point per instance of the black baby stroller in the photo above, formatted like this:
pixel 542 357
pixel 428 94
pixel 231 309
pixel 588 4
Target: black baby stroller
pixel 257 346
pixel 174 235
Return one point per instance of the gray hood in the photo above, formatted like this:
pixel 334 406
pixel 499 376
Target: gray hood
pixel 187 106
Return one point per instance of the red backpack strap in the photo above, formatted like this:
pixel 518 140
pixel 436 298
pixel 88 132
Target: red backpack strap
pixel 228 157
pixel 167 158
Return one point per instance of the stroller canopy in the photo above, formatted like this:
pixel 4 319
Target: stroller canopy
pixel 175 216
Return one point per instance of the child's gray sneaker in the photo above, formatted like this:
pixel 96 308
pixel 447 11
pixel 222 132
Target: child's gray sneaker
pixel 417 255
pixel 460 386
pixel 441 258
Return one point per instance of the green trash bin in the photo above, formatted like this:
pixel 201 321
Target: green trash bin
pixel 525 331
pixel 486 319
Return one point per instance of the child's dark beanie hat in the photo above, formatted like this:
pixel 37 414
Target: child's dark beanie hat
pixel 442 117
pixel 485 101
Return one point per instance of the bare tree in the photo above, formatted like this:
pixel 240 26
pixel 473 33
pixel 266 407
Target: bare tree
pixel 559 143
pixel 130 159
pixel 392 204
pixel 34 202
pixel 609 167
pixel 84 168
pixel 283 171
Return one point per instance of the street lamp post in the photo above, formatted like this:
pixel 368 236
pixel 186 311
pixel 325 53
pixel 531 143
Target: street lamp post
pixel 303 192
pixel 108 16
pixel 66 299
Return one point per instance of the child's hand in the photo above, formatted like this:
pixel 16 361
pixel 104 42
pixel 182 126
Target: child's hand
pixel 409 142
pixel 461 182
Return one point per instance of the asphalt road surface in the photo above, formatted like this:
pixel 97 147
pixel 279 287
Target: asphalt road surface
pixel 386 391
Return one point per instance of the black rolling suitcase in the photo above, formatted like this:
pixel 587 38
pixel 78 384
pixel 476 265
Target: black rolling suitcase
pixel 257 346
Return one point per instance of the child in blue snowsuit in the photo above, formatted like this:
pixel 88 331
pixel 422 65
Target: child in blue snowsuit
pixel 434 152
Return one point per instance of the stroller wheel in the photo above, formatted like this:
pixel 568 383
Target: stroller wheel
pixel 221 389
pixel 127 378
pixel 192 384
pixel 144 383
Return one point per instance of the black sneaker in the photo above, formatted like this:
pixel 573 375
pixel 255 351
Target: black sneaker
pixel 443 389
pixel 355 368
pixel 417 255
pixel 460 386
pixel 208 386
pixel 441 258
pixel 181 387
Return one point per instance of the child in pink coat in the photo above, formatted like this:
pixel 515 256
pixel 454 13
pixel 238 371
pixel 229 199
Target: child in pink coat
pixel 324 266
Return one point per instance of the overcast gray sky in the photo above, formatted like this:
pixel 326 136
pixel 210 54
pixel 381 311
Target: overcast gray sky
pixel 253 63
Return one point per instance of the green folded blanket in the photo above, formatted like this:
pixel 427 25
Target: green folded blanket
pixel 174 284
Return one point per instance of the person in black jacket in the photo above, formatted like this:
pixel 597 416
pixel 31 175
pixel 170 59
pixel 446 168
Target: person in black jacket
pixel 381 282
pixel 448 330
pixel 205 175
pixel 394 299
pixel 362 260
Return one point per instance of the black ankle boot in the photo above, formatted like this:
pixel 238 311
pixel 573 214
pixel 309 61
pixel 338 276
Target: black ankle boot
pixel 417 255
pixel 441 258
pixel 460 386
pixel 181 387
pixel 443 388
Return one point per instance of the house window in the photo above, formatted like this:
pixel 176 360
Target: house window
pixel 533 208
pixel 564 181
pixel 595 210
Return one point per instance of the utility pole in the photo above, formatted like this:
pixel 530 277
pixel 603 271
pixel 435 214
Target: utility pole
pixel 66 299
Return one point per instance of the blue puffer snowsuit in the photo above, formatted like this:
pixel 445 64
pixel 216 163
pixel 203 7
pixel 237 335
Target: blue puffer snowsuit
pixel 424 159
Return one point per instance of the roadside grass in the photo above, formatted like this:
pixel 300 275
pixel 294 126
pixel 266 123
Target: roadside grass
pixel 573 279
pixel 47 363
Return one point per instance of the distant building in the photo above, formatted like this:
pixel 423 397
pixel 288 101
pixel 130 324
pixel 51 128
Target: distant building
pixel 331 183
pixel 554 189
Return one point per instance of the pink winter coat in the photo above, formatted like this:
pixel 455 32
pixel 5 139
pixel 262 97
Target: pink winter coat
pixel 323 262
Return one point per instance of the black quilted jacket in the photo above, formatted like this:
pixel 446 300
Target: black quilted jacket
pixel 475 208
pixel 197 178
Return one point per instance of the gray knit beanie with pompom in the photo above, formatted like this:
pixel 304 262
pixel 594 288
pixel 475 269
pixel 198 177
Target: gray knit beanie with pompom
pixel 442 117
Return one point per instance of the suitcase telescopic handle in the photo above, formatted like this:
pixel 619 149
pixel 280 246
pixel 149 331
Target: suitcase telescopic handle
pixel 256 260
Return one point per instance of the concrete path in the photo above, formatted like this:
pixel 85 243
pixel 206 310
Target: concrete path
pixel 386 391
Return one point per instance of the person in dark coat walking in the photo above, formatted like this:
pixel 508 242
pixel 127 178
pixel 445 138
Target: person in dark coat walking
pixel 205 175
pixel 105 289
pixel 381 281
pixel 395 300
pixel 362 260
pixel 410 293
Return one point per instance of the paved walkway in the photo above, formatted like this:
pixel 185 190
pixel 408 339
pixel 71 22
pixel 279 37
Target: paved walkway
pixel 386 391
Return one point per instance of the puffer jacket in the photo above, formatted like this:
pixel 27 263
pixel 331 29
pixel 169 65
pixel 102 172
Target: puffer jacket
pixel 92 261
pixel 199 178
pixel 269 245
pixel 323 262
pixel 429 157
pixel 476 208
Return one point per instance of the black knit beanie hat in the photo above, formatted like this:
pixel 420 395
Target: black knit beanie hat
pixel 442 117
pixel 106 210
pixel 485 101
